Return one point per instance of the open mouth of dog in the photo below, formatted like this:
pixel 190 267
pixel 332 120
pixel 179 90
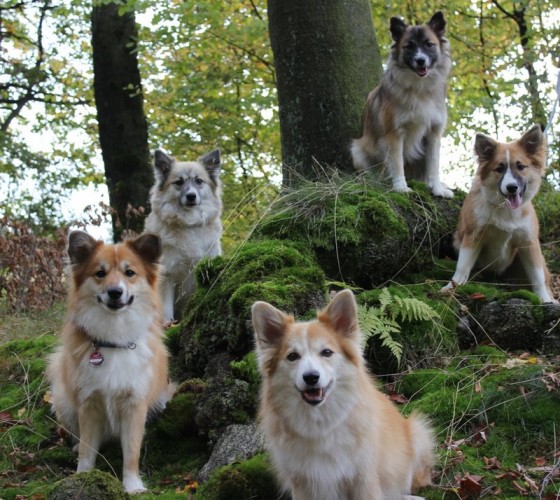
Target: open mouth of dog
pixel 422 72
pixel 115 305
pixel 514 200
pixel 316 395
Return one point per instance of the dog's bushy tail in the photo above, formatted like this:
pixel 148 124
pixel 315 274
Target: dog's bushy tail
pixel 423 449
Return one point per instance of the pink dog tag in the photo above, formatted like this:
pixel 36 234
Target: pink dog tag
pixel 96 358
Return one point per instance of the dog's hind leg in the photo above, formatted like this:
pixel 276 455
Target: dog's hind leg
pixel 433 147
pixel 533 264
pixel 133 421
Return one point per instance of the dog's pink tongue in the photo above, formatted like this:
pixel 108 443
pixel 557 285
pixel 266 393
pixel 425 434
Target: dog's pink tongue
pixel 514 200
pixel 422 71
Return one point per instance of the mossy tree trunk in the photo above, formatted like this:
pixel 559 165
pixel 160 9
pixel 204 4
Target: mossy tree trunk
pixel 123 131
pixel 327 60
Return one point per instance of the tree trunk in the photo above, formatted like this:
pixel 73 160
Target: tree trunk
pixel 327 60
pixel 123 131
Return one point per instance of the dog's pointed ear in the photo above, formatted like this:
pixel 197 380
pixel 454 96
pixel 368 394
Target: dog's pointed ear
pixel 532 140
pixel 269 324
pixel 80 246
pixel 397 27
pixel 437 24
pixel 342 314
pixel 211 162
pixel 484 147
pixel 147 246
pixel 163 163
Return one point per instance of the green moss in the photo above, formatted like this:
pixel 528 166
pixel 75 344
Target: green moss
pixel 352 227
pixel 247 369
pixel 217 318
pixel 224 402
pixel 91 485
pixel 251 479
pixel 421 382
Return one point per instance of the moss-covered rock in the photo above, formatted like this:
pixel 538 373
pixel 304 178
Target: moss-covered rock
pixel 251 479
pixel 217 318
pixel 91 485
pixel 361 234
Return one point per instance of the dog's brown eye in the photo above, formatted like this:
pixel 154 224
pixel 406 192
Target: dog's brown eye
pixel 326 353
pixel 130 273
pixel 500 168
pixel 293 356
pixel 199 181
pixel 100 274
pixel 520 166
pixel 179 182
pixel 429 44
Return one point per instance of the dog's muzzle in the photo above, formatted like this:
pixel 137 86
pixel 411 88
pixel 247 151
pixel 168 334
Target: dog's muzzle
pixel 113 298
pixel 316 395
pixel 514 195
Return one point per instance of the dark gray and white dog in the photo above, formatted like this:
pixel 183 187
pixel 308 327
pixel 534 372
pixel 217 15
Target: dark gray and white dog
pixel 405 114
pixel 186 210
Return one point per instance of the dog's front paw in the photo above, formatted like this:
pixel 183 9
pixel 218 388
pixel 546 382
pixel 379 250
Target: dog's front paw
pixel 444 192
pixel 449 288
pixel 400 185
pixel 133 485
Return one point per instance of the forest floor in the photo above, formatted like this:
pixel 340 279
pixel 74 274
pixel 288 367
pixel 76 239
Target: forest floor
pixel 501 413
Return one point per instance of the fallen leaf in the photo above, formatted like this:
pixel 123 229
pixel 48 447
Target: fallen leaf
pixel 470 486
pixel 491 463
pixel 540 461
pixel 477 296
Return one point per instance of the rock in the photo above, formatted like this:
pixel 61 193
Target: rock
pixel 238 442
pixel 92 485
pixel 511 325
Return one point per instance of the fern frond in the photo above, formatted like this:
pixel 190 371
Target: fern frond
pixel 383 321
pixel 374 323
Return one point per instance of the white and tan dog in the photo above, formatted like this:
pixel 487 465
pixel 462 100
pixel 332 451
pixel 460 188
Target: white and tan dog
pixel 186 210
pixel 405 114
pixel 111 370
pixel 331 433
pixel 498 225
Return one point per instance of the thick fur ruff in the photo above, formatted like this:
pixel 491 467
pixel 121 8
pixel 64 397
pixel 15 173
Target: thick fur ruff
pixel 186 210
pixel 498 227
pixel 114 311
pixel 331 433
pixel 405 114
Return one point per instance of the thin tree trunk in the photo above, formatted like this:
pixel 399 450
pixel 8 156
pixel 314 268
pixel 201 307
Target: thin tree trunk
pixel 123 131
pixel 327 60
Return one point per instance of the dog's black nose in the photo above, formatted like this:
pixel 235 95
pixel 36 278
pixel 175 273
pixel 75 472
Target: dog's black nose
pixel 311 378
pixel 114 292
pixel 191 196
pixel 512 188
pixel 420 61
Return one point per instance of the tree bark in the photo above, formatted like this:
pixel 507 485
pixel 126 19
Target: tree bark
pixel 123 131
pixel 327 60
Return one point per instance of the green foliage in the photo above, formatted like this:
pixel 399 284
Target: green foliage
pixel 383 321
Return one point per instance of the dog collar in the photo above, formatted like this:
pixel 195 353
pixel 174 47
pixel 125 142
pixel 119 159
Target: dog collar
pixel 96 358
